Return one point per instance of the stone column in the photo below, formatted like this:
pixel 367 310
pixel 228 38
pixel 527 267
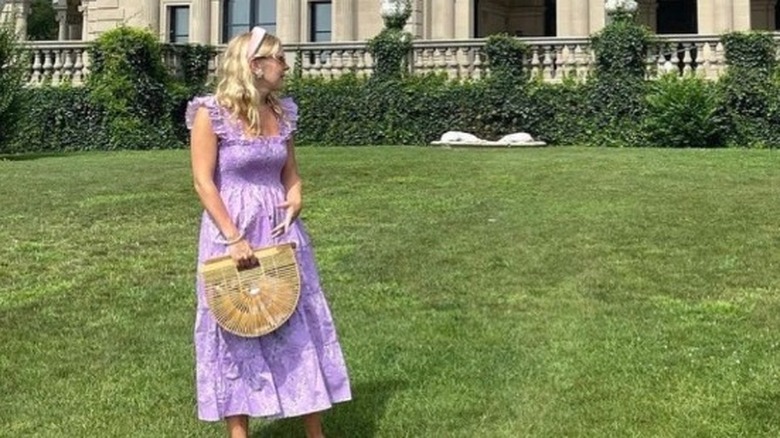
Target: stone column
pixel 724 15
pixel 200 22
pixel 580 17
pixel 288 19
pixel 598 15
pixel 84 10
pixel 462 19
pixel 563 17
pixel 62 26
pixel 217 22
pixel 705 16
pixel 443 19
pixel 61 10
pixel 16 11
pixel 415 23
pixel 573 17
pixel 21 18
pixel 152 16
pixel 740 20
pixel 715 16
pixel 344 20
pixel 718 16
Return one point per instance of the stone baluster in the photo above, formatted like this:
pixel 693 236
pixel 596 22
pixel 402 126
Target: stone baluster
pixel 536 69
pixel 719 59
pixel 547 63
pixel 78 67
pixel 661 61
pixel 47 66
pixel 574 60
pixel 37 66
pixel 429 60
pixel 307 62
pixel 687 60
pixel 330 63
pixel 362 64
pixel 439 59
pixel 582 57
pixel 478 66
pixel 67 66
pixel 56 76
pixel 348 61
pixel 700 61
pixel 416 63
pixel 453 66
pixel 559 62
pixel 650 63
pixel 318 64
pixel 562 62
pixel 340 62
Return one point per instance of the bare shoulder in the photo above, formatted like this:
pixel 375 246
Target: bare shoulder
pixel 201 122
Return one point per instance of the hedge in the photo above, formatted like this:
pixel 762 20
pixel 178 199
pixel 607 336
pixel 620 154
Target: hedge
pixel 138 105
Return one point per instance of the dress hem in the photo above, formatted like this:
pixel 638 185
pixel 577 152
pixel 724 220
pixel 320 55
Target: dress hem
pixel 276 416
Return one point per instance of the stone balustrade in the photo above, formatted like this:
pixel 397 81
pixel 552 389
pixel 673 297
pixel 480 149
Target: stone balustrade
pixel 57 62
pixel 551 59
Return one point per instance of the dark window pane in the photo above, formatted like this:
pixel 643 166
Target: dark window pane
pixel 265 13
pixel 238 15
pixel 242 15
pixel 179 24
pixel 321 25
pixel 322 16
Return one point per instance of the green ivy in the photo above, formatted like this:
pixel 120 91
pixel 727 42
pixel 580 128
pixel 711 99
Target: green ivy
pixel 133 102
pixel 390 50
pixel 194 60
pixel 618 86
pixel 59 119
pixel 750 51
pixel 392 47
pixel 413 110
pixel 750 100
pixel 562 112
pixel 128 78
pixel 13 68
pixel 506 55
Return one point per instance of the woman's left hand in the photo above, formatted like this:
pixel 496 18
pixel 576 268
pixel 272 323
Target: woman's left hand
pixel 292 209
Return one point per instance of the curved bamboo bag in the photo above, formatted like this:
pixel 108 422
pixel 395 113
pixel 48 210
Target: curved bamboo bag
pixel 256 301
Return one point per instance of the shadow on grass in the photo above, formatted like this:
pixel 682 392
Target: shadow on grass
pixel 37 155
pixel 761 410
pixel 357 418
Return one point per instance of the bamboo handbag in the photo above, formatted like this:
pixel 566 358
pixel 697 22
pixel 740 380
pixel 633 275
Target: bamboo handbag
pixel 255 301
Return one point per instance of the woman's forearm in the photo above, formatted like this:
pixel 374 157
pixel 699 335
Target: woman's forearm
pixel 215 207
pixel 292 186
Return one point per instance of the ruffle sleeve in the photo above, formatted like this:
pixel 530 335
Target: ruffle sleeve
pixel 290 109
pixel 216 115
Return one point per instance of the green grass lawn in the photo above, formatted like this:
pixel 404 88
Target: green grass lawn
pixel 543 292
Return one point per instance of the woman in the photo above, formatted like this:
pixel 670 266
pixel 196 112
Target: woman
pixel 245 172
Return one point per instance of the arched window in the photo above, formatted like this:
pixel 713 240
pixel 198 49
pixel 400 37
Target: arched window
pixel 242 15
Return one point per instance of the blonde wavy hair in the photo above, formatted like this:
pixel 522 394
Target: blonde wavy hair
pixel 236 86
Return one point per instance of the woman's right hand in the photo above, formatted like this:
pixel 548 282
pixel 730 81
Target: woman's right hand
pixel 242 254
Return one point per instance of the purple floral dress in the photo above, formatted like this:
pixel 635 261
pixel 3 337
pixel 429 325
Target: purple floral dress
pixel 299 368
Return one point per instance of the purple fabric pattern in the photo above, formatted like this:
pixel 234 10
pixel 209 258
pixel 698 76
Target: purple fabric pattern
pixel 299 368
